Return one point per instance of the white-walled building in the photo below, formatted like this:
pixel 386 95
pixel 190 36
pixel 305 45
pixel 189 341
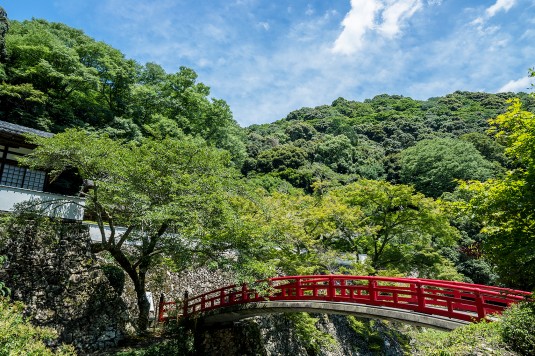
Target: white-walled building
pixel 19 184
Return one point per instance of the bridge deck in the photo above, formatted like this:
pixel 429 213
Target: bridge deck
pixel 242 311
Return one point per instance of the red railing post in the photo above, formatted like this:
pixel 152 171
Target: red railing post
pixel 160 308
pixel 232 297
pixel 299 291
pixel 457 296
pixel 414 297
pixel 244 295
pixel 372 283
pixel 222 297
pixel 185 304
pixel 480 305
pixel 332 288
pixel 420 296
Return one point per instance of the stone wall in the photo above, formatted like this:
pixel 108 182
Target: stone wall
pixel 51 269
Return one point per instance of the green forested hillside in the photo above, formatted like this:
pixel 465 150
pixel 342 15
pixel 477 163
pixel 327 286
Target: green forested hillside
pixel 56 77
pixel 423 188
pixel 350 139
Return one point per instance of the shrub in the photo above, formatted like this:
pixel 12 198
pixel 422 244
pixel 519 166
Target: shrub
pixel 306 331
pixel 4 291
pixel 518 328
pixel 365 330
pixel 474 339
pixel 19 337
pixel 115 276
pixel 167 347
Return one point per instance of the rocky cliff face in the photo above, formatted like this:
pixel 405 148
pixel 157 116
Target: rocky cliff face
pixel 278 335
pixel 52 270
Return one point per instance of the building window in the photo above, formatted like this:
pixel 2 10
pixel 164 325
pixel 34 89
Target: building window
pixel 21 177
pixel 12 176
pixel 34 180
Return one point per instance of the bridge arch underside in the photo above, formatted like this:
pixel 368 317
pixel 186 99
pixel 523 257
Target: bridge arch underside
pixel 237 312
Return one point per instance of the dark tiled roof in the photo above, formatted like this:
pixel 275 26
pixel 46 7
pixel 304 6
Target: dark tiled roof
pixel 14 129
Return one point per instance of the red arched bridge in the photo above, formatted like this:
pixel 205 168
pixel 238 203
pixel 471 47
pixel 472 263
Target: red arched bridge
pixel 440 304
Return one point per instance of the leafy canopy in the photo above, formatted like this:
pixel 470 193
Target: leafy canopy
pixel 507 206
pixel 56 77
pixel 433 166
pixel 397 227
pixel 171 196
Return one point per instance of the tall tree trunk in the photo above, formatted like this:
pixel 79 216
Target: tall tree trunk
pixel 142 303
pixel 138 279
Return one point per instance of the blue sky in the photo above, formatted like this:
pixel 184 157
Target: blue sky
pixel 269 57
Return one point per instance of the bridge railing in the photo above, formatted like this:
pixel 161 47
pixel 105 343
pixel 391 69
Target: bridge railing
pixel 458 300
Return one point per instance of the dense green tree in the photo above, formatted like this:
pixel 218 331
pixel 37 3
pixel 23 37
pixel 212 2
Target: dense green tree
pixel 506 206
pixel 293 250
pixel 433 166
pixel 353 109
pixel 300 131
pixel 40 62
pixel 168 103
pixel 169 195
pixel 396 226
pixel 280 226
pixel 468 256
pixel 489 148
pixel 257 143
pixel 57 77
pixel 4 27
pixel 116 75
pixel 314 115
pixel 339 154
pixel 83 81
pixel 280 158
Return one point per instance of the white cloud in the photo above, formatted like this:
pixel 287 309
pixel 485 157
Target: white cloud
pixel 358 20
pixel 264 25
pixel 529 34
pixel 521 84
pixel 396 13
pixel 215 32
pixel 361 19
pixel 500 5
